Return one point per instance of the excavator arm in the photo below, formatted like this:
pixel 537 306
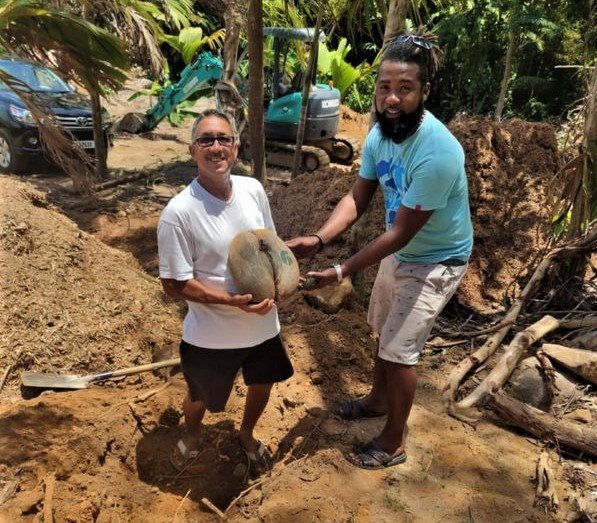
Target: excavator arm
pixel 204 72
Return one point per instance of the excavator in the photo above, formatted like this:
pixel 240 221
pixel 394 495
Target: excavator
pixel 283 103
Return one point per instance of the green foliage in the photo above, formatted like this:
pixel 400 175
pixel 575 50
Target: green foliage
pixel 82 49
pixel 190 40
pixel 332 65
pixel 360 95
pixel 360 21
pixel 474 36
pixel 281 13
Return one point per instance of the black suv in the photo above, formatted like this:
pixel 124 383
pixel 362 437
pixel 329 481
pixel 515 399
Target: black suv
pixel 19 137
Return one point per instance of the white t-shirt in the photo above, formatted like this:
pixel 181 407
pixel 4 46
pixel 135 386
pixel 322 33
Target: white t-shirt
pixel 194 232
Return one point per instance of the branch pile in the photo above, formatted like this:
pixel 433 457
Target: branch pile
pixel 583 363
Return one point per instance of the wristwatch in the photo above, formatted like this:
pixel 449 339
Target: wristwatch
pixel 338 268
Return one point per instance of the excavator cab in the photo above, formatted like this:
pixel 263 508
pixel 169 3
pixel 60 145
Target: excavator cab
pixel 284 108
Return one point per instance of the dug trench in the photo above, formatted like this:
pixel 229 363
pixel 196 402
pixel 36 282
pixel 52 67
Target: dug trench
pixel 80 295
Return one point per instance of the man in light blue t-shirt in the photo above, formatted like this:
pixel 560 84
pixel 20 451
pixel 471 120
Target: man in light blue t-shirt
pixel 424 252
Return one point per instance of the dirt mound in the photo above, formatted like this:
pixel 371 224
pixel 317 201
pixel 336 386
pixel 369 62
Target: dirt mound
pixel 70 300
pixel 510 167
pixel 353 124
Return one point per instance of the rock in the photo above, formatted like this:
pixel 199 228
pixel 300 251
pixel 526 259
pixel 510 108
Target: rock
pixel 528 384
pixel 332 298
pixel 316 378
pixel 101 221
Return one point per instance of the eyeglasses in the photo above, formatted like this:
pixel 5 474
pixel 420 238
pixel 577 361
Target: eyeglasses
pixel 208 141
pixel 416 40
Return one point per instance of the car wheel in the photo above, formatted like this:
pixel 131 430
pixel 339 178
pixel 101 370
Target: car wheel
pixel 10 162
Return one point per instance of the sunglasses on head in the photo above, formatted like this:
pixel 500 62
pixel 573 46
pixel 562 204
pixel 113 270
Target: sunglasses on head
pixel 208 141
pixel 416 40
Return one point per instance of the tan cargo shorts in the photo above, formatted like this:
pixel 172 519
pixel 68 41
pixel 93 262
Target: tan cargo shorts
pixel 405 302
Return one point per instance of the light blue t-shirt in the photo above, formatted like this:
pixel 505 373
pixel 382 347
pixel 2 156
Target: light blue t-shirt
pixel 425 172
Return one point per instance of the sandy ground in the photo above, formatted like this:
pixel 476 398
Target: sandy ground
pixel 80 295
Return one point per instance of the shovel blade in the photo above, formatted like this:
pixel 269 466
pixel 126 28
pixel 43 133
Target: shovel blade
pixel 54 381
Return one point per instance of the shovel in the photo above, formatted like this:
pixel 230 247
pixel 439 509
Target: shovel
pixel 73 381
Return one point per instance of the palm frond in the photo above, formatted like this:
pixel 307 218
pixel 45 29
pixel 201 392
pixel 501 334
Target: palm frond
pixel 72 44
pixel 179 12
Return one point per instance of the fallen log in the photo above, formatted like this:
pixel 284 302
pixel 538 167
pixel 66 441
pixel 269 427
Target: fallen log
pixel 493 342
pixel 513 354
pixel 582 362
pixel 544 425
pixel 507 363
pixel 585 243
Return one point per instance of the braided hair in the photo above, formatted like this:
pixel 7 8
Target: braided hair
pixel 417 47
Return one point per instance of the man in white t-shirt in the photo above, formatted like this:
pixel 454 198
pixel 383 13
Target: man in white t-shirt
pixel 223 332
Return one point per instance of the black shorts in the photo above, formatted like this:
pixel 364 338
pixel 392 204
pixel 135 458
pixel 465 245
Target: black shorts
pixel 210 373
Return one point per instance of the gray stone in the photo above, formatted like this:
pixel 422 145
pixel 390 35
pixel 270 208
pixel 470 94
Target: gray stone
pixel 528 384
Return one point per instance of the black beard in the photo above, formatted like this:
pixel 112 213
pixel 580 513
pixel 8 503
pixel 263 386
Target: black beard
pixel 399 129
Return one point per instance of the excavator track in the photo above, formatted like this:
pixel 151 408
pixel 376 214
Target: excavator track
pixel 346 150
pixel 339 149
pixel 282 155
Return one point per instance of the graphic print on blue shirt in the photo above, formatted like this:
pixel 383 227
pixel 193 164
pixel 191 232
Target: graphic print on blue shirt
pixel 391 177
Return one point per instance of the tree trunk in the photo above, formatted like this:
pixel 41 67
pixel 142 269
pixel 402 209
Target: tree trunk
pixel 591 145
pixel 396 21
pixel 581 362
pixel 234 21
pixel 584 206
pixel 311 67
pixel 544 425
pixel 584 203
pixel 499 108
pixel 228 99
pixel 256 108
pixel 101 147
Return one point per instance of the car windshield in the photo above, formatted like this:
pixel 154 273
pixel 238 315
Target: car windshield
pixel 37 77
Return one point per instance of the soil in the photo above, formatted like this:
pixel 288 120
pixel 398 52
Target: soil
pixel 80 295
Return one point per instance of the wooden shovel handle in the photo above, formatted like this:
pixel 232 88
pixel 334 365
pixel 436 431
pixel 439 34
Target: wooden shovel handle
pixel 135 370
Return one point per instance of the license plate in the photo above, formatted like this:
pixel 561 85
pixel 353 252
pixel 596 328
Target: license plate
pixel 86 144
